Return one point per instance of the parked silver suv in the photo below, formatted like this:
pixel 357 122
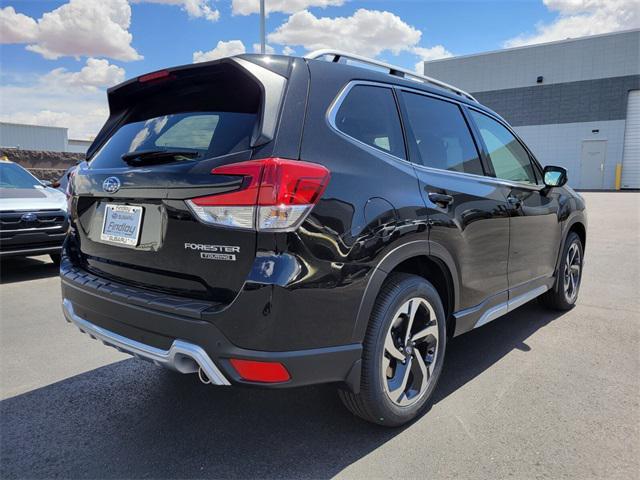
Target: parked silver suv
pixel 33 216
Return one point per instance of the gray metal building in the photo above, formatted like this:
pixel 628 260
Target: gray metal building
pixel 39 138
pixel 575 102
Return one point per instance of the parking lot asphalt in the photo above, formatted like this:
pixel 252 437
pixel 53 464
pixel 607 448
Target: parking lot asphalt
pixel 534 394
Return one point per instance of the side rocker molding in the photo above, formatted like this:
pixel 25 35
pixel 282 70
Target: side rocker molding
pixel 416 248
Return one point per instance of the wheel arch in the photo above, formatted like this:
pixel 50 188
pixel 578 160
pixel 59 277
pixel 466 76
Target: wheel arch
pixel 422 257
pixel 577 224
pixel 581 229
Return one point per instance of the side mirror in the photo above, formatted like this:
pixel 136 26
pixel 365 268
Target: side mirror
pixel 46 183
pixel 554 176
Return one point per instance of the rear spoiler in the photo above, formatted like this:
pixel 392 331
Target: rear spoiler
pixel 272 80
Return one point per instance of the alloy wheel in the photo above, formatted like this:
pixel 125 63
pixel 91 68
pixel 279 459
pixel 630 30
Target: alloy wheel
pixel 410 352
pixel 572 269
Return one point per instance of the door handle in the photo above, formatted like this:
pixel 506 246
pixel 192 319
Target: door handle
pixel 441 199
pixel 515 201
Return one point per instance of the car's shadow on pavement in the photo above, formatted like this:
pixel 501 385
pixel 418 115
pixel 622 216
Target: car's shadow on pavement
pixel 133 420
pixel 22 269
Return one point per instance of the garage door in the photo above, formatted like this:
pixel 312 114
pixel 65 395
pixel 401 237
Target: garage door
pixel 631 156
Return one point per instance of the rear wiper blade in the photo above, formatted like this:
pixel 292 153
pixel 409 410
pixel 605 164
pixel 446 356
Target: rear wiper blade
pixel 140 156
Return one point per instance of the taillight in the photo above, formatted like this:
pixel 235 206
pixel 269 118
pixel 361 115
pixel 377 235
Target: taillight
pixel 276 195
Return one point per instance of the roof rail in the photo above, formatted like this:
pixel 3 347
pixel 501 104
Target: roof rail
pixel 393 70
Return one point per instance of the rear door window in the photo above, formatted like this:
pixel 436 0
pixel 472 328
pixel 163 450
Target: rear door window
pixel 441 134
pixel 509 159
pixel 370 115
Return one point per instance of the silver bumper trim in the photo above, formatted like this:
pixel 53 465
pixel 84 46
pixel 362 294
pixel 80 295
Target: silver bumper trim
pixel 183 357
pixel 32 251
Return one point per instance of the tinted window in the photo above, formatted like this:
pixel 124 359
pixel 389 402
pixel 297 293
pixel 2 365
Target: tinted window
pixel 14 176
pixel 191 132
pixel 508 157
pixel 441 134
pixel 211 134
pixel 207 111
pixel 369 114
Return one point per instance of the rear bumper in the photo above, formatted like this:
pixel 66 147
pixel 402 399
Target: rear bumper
pixel 183 357
pixel 168 332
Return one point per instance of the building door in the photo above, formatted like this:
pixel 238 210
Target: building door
pixel 592 164
pixel 631 156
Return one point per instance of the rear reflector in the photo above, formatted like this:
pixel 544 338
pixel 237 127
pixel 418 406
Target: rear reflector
pixel 276 195
pixel 264 372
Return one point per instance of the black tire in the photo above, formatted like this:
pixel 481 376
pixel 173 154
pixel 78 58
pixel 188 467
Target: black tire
pixel 55 258
pixel 558 298
pixel 373 403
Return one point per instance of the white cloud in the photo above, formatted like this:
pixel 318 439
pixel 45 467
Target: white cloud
pixel 287 50
pixel 97 28
pixel 223 49
pixel 430 53
pixel 269 50
pixel 194 8
pixel 16 27
pixel 577 18
pixel 75 100
pixel 248 7
pixel 369 32
pixel 96 74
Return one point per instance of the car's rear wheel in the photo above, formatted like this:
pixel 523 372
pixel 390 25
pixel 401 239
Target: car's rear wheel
pixel 403 353
pixel 565 293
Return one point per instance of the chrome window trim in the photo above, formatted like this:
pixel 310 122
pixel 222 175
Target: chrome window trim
pixel 337 102
pixel 473 176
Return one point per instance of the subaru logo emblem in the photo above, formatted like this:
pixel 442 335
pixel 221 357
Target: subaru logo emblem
pixel 111 185
pixel 29 217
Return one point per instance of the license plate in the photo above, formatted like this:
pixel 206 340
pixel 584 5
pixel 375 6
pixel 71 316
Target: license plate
pixel 121 224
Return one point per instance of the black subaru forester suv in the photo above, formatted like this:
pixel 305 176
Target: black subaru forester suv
pixel 280 221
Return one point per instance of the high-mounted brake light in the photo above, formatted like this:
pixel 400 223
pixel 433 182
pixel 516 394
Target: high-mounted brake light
pixel 154 76
pixel 276 195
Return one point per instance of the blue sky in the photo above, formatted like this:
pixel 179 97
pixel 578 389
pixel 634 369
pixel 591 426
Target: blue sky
pixel 58 57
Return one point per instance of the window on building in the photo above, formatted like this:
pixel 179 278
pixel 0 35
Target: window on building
pixel 441 134
pixel 369 114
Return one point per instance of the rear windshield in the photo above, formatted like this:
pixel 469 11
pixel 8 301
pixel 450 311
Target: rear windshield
pixel 210 134
pixel 208 116
pixel 14 176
